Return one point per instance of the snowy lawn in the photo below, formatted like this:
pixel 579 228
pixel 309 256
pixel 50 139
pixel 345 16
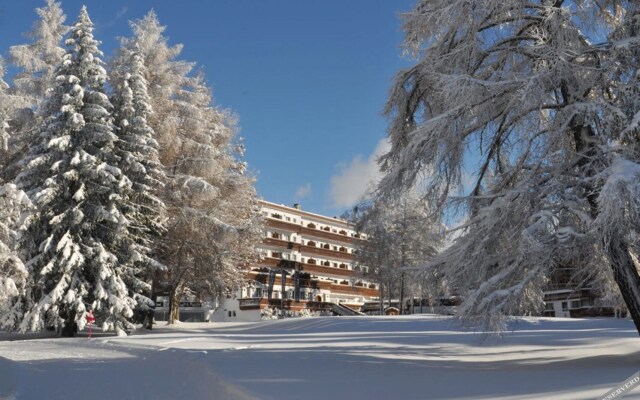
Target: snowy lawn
pixel 413 357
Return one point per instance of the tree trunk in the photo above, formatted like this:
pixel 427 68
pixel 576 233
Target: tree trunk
pixel 626 276
pixel 70 327
pixel 389 292
pixel 381 298
pixel 174 306
pixel 401 305
pixel 624 270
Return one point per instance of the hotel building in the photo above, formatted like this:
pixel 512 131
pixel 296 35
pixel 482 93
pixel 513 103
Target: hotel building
pixel 315 254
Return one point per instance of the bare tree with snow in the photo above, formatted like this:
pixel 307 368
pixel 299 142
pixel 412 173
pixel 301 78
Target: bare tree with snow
pixel 5 111
pixel 36 63
pixel 211 202
pixel 402 235
pixel 539 99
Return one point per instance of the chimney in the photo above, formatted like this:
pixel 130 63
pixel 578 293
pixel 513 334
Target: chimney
pixel 297 206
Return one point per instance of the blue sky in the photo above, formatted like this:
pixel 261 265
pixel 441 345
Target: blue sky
pixel 308 80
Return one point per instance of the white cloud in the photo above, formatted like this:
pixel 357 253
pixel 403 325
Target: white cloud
pixel 121 12
pixel 356 177
pixel 303 191
pixel 109 24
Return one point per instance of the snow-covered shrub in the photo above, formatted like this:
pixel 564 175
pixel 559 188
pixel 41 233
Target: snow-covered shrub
pixel 274 313
pixel 268 313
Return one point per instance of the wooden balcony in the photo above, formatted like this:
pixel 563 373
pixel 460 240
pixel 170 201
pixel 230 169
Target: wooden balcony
pixel 314 283
pixel 322 234
pixel 283 244
pixel 317 251
pixel 315 269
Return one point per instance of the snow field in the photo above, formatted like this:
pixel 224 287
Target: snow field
pixel 410 357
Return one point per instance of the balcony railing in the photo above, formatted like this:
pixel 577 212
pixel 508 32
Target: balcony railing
pixel 249 302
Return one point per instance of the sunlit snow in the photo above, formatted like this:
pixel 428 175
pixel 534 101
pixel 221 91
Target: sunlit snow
pixel 412 357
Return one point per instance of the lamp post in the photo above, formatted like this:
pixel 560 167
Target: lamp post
pixel 284 282
pixel 284 266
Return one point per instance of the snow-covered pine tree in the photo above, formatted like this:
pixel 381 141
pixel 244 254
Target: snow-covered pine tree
pixel 540 101
pixel 14 208
pixel 78 229
pixel 137 150
pixel 211 202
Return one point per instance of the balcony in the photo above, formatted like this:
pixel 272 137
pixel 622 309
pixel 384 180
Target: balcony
pixel 322 253
pixel 325 233
pixel 252 303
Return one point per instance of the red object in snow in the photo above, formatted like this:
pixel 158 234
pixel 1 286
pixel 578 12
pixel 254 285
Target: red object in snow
pixel 90 319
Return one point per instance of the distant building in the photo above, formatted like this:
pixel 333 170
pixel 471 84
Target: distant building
pixel 316 254
pixel 564 297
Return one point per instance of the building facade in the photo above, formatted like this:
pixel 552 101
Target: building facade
pixel 307 263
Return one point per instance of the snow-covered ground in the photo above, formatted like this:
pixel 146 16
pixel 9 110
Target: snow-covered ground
pixel 412 357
